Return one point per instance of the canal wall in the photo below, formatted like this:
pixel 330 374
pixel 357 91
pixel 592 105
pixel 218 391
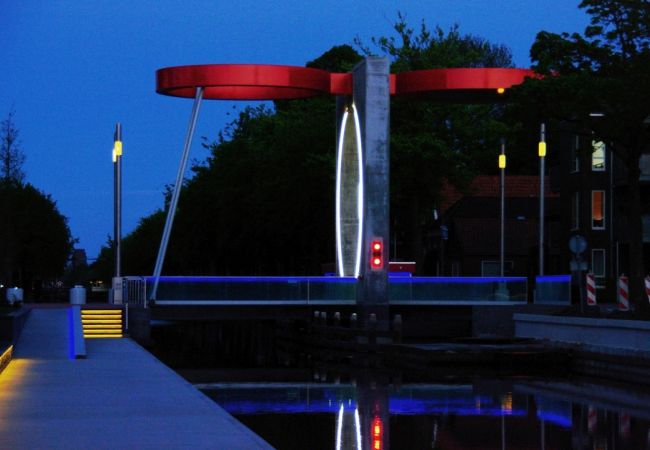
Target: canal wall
pixel 608 333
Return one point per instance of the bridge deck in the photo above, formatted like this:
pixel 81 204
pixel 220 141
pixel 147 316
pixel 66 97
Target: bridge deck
pixel 119 397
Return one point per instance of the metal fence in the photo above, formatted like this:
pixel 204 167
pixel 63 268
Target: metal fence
pixel 134 291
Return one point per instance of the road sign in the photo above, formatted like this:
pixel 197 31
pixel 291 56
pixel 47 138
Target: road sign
pixel 577 244
pixel 575 265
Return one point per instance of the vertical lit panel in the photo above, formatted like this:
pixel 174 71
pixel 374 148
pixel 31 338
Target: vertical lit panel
pixel 344 196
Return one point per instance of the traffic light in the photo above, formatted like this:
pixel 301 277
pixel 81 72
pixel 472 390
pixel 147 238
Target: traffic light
pixel 376 254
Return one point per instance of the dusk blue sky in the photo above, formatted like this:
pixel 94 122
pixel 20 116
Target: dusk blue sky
pixel 72 69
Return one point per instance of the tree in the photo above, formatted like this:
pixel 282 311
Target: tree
pixel 605 71
pixel 36 241
pixel 433 142
pixel 139 250
pixel 11 155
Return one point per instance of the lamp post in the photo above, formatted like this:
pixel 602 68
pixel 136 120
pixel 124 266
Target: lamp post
pixel 541 151
pixel 117 211
pixel 502 170
pixel 117 186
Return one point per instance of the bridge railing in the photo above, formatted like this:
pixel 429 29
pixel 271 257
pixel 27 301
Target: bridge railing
pixel 255 290
pixel 458 290
pixel 191 290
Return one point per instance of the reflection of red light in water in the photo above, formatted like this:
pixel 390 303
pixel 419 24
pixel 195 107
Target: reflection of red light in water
pixel 377 431
pixel 624 425
pixel 592 419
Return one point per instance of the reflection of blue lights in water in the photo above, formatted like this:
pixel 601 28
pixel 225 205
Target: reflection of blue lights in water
pixel 326 400
pixel 554 411
pixel 555 418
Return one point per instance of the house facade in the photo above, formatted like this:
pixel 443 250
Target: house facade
pixel 594 188
pixel 472 220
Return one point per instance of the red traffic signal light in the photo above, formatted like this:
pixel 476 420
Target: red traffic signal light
pixel 376 254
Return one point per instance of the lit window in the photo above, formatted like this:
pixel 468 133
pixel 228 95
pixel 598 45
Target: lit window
pixel 575 211
pixel 575 159
pixel 597 156
pixel 598 210
pixel 598 264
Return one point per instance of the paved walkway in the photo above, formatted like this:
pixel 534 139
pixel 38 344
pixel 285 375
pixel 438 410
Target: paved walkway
pixel 120 397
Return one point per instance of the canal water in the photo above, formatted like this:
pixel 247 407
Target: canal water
pixel 311 401
pixel 454 414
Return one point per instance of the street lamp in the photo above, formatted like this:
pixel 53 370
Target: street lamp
pixel 502 170
pixel 542 155
pixel 117 210
pixel 117 180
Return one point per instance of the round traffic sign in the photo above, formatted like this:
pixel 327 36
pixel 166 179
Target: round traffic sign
pixel 577 244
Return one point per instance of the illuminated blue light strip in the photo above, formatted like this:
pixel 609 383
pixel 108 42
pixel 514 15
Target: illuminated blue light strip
pixel 553 279
pixel 71 334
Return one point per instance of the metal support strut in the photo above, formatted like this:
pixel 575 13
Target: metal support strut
pixel 177 190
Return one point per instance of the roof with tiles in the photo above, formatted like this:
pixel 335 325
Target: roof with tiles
pixel 516 186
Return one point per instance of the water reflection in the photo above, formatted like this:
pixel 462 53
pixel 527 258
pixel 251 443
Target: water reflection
pixel 371 412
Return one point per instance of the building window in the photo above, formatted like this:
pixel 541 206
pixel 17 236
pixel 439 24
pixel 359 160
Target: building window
pixel 598 265
pixel 575 211
pixel 598 156
pixel 575 155
pixel 598 210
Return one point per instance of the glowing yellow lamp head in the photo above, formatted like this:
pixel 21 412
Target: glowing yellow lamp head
pixel 502 161
pixel 501 90
pixel 541 149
